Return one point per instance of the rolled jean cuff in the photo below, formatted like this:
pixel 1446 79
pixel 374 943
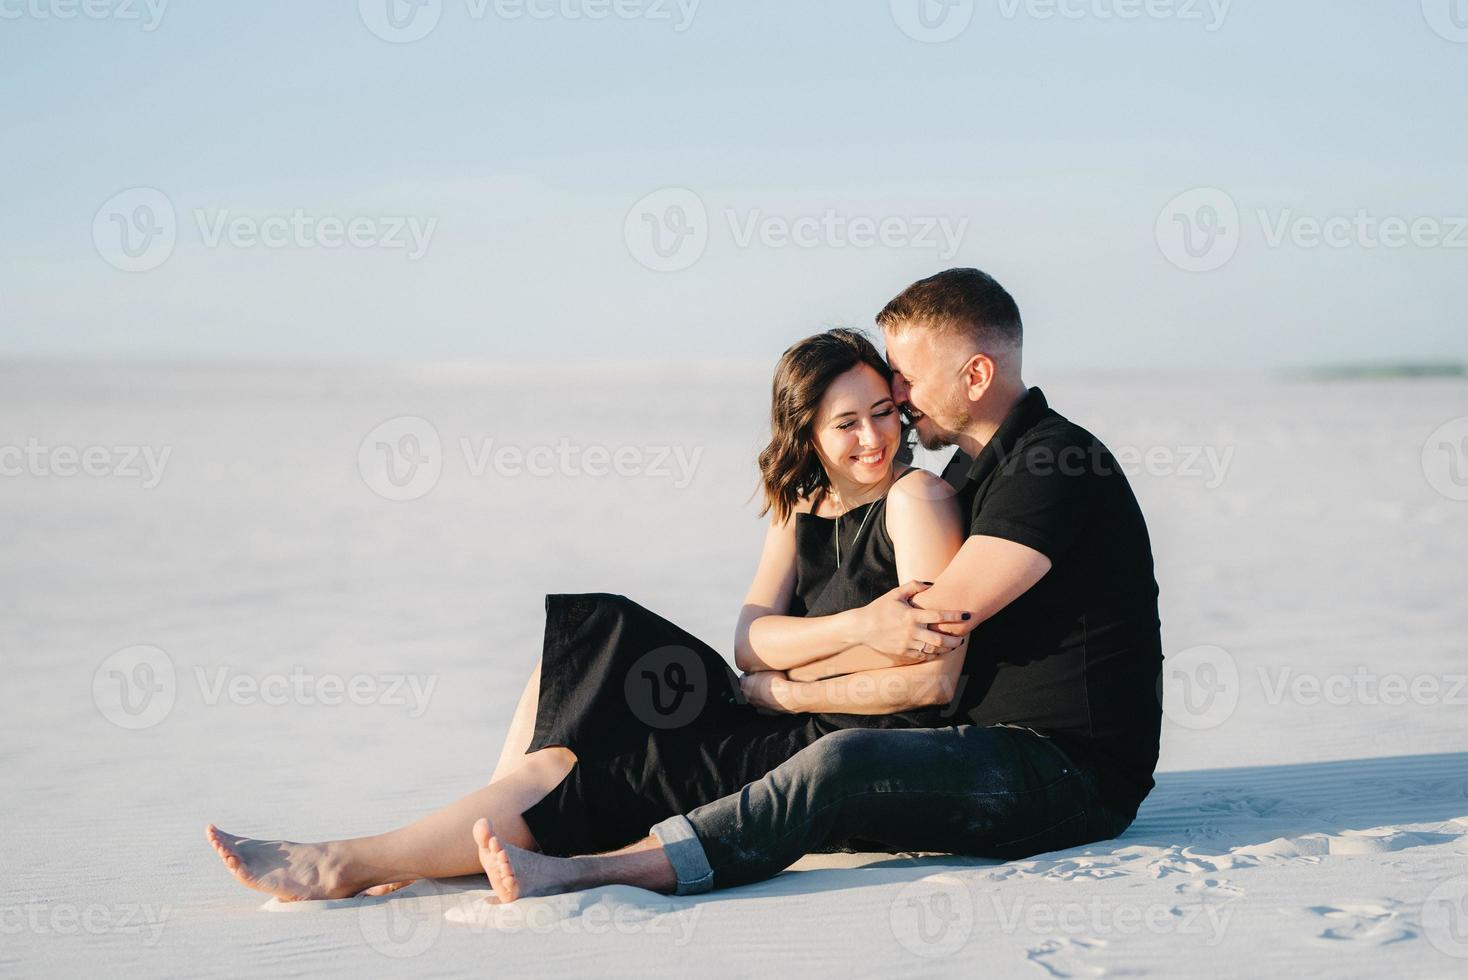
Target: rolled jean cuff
pixel 685 853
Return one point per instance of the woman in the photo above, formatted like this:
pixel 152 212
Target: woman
pixel 628 719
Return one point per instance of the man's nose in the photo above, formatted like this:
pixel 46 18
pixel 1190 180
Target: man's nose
pixel 899 390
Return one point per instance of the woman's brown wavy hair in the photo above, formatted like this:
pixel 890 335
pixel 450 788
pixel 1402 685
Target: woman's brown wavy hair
pixel 789 467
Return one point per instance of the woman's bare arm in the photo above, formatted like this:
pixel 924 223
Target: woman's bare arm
pixel 866 692
pixel 849 661
pixel 768 639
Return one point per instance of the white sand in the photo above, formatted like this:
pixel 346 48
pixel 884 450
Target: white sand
pixel 1290 834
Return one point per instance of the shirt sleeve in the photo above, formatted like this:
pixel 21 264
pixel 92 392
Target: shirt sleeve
pixel 1045 494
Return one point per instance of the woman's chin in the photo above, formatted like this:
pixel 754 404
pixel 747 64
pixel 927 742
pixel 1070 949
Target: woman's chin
pixel 871 474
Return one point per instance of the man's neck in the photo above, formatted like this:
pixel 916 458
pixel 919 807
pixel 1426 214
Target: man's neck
pixel 993 411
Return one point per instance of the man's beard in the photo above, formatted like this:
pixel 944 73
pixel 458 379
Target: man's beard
pixel 933 436
pixel 934 442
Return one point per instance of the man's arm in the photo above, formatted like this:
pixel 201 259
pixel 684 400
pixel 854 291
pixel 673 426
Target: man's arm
pixel 987 574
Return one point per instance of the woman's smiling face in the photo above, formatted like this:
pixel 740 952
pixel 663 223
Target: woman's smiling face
pixel 857 429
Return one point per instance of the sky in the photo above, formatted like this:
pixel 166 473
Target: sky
pixel 1200 186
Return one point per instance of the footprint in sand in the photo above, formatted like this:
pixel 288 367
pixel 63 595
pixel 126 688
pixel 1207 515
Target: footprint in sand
pixel 1096 866
pixel 1080 868
pixel 1374 924
pixel 1181 860
pixel 1067 957
pixel 1219 889
pixel 1247 804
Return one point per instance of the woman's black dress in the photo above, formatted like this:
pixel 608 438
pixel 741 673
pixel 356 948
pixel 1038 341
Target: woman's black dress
pixel 655 715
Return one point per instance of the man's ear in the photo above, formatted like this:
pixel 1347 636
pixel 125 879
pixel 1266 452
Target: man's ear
pixel 978 375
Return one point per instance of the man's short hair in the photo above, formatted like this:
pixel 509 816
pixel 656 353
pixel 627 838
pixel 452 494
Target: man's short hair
pixel 963 303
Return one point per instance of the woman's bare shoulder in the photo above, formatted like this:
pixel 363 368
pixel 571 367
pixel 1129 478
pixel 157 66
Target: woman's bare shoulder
pixel 920 501
pixel 918 486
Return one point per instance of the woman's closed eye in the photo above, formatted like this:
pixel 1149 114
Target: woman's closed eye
pixel 876 415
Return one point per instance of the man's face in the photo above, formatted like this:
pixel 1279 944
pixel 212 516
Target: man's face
pixel 928 383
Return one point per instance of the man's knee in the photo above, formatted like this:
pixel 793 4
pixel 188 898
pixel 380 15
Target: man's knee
pixel 841 755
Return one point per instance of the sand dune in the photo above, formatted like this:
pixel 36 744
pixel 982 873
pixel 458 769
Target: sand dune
pixel 1311 813
pixel 1180 879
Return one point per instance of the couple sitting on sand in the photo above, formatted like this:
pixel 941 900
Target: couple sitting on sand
pixel 966 665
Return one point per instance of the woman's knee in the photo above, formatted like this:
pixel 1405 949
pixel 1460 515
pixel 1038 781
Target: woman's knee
pixel 554 761
pixel 540 771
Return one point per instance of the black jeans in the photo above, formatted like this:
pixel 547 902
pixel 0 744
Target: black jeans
pixel 986 791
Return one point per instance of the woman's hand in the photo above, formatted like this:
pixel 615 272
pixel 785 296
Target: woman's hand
pixel 767 690
pixel 894 627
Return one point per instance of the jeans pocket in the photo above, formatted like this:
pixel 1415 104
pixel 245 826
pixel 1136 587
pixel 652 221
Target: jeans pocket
pixel 1069 831
pixel 1067 763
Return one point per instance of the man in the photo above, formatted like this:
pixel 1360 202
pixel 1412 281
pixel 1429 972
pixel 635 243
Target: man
pixel 1060 714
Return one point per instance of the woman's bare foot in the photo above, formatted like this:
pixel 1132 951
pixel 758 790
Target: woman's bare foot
pixel 289 871
pixel 517 873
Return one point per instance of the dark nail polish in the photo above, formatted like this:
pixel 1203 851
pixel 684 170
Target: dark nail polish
pixel 921 582
pixel 967 617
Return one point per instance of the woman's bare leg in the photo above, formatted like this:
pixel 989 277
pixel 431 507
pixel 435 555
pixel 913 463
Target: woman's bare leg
pixel 512 754
pixel 522 728
pixel 436 846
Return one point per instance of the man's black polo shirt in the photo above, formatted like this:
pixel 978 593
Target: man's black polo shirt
pixel 1077 657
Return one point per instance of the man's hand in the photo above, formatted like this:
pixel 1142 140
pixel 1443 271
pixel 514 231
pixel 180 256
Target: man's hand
pixel 895 628
pixel 767 690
